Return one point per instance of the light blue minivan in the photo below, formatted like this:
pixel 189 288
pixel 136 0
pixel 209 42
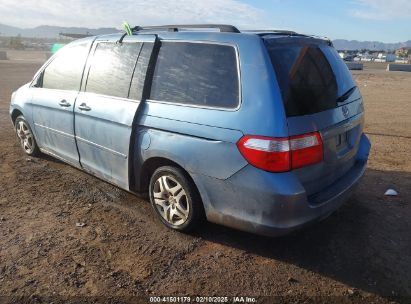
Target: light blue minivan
pixel 261 131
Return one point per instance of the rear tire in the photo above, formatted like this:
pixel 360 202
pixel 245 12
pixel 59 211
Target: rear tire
pixel 175 199
pixel 26 136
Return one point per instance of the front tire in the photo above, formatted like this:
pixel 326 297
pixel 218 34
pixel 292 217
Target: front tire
pixel 26 136
pixel 175 199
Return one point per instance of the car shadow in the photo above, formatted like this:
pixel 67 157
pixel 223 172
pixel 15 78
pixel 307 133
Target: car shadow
pixel 366 244
pixel 50 158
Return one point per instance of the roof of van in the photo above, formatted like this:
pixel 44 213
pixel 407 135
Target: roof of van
pixel 217 32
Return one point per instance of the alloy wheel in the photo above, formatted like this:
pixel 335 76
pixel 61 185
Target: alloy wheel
pixel 25 136
pixel 170 199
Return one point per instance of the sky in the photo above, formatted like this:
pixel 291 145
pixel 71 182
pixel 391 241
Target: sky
pixel 371 20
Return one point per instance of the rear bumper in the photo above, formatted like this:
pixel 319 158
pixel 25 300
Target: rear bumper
pixel 271 204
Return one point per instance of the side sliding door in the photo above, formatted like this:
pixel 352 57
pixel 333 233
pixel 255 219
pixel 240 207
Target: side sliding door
pixel 106 107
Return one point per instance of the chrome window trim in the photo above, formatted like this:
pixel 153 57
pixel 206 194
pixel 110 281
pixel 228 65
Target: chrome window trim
pixel 189 105
pixel 111 97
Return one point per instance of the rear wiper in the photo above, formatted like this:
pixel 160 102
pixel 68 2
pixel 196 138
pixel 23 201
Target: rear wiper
pixel 346 95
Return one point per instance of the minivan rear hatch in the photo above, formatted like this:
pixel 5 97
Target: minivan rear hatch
pixel 318 94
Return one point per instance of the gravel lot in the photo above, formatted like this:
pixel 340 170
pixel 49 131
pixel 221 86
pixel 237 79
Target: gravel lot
pixel 362 253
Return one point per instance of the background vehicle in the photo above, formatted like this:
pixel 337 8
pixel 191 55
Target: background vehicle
pixel 260 131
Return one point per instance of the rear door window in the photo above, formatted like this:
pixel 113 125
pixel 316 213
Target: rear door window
pixel 66 70
pixel 197 74
pixel 112 68
pixel 311 77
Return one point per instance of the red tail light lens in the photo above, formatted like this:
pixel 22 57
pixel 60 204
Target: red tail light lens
pixel 270 154
pixel 282 154
pixel 306 150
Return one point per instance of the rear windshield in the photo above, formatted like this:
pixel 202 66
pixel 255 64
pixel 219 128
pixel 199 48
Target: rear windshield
pixel 312 77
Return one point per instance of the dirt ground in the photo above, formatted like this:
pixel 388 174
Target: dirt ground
pixel 361 253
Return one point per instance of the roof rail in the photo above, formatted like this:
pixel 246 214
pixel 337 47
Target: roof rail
pixel 175 27
pixel 281 33
pixel 272 32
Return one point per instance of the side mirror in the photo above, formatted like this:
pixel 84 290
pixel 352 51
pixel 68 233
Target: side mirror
pixel 38 81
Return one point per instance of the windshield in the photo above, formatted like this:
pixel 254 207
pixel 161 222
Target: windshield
pixel 312 77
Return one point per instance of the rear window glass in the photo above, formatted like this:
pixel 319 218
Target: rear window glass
pixel 311 77
pixel 66 70
pixel 196 73
pixel 112 68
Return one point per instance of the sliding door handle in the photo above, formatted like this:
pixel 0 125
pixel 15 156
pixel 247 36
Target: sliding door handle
pixel 84 107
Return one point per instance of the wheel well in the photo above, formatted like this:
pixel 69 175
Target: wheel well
pixel 14 115
pixel 151 165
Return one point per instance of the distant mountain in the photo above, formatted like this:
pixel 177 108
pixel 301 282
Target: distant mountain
pixel 47 31
pixel 341 44
pixel 6 30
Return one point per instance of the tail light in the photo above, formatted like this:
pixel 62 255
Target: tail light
pixel 282 154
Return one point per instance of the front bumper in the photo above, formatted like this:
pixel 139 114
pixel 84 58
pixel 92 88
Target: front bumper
pixel 271 204
pixel 11 109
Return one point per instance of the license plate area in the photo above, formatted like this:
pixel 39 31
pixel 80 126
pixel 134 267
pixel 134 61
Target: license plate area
pixel 344 142
pixel 341 140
